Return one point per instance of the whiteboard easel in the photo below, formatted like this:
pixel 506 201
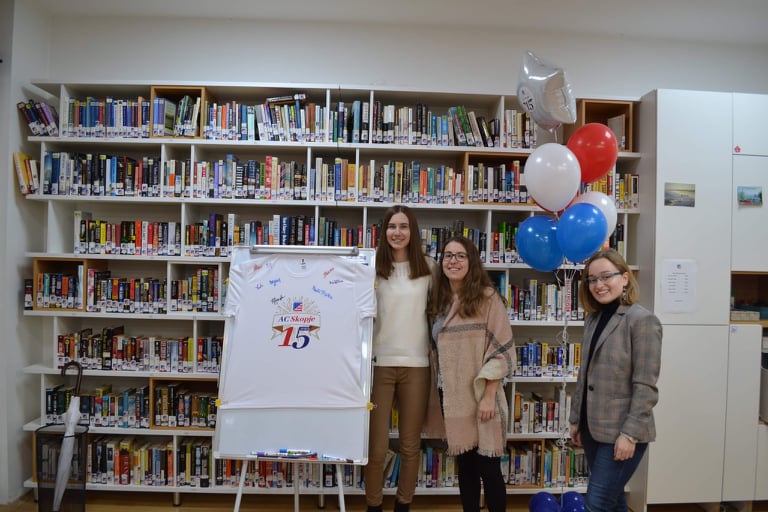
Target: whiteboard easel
pixel 337 435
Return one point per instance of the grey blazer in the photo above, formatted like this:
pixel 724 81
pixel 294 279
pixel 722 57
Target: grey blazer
pixel 622 375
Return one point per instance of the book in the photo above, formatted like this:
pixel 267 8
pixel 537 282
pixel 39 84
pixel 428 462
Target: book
pixel 475 128
pixel 30 116
pixel 617 124
pixel 24 179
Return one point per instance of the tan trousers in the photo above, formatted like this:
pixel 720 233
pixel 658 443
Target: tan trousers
pixel 409 389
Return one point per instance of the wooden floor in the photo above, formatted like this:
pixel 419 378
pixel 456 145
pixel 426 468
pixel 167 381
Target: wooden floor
pixel 126 501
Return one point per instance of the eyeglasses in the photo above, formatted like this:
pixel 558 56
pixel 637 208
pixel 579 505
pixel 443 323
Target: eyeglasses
pixel 591 280
pixel 459 256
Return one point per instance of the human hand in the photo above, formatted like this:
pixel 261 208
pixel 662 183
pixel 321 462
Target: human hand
pixel 486 409
pixel 575 434
pixel 623 449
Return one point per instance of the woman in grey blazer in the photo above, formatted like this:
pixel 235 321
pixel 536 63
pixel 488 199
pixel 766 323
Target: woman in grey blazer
pixel 612 408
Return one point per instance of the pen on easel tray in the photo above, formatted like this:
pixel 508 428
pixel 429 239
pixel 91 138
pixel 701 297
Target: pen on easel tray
pixel 288 454
pixel 331 458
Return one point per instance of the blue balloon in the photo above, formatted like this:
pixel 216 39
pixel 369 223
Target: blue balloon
pixel 572 501
pixel 543 502
pixel 536 241
pixel 581 231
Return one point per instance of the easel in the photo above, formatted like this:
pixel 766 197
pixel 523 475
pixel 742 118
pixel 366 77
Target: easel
pixel 296 483
pixel 242 255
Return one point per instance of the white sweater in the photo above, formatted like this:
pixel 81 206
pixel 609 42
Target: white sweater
pixel 400 333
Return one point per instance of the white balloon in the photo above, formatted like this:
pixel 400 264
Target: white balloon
pixel 545 92
pixel 552 176
pixel 605 204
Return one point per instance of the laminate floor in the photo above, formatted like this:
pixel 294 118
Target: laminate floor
pixel 130 502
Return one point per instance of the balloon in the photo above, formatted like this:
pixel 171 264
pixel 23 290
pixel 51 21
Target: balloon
pixel 543 502
pixel 572 501
pixel 544 91
pixel 605 204
pixel 596 149
pixel 581 231
pixel 552 176
pixel 536 242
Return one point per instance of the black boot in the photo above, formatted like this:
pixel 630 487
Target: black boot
pixel 402 507
pixel 376 508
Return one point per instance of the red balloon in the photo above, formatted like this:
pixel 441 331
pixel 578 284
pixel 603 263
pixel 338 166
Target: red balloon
pixel 596 149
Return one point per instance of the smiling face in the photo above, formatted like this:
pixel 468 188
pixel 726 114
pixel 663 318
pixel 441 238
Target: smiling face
pixel 606 283
pixel 399 236
pixel 455 264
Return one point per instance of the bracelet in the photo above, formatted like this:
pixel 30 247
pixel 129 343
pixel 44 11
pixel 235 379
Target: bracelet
pixel 629 437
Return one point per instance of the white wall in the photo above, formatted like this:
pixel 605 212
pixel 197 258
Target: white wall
pixel 167 50
pixel 22 228
pixel 422 57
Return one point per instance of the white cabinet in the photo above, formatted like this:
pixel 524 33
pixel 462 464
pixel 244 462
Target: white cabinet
pixel 690 414
pixel 749 213
pixel 684 119
pixel 749 114
pixel 741 420
pixel 685 463
pixel 761 472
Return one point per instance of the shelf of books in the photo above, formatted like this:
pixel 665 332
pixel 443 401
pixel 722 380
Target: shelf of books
pixel 144 189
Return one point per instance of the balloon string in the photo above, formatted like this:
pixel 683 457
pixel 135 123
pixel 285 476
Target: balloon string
pixel 563 338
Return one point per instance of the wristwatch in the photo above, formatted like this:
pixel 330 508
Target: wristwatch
pixel 629 437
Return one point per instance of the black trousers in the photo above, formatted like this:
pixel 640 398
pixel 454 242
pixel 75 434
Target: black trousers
pixel 474 468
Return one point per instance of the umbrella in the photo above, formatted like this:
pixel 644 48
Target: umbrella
pixel 71 418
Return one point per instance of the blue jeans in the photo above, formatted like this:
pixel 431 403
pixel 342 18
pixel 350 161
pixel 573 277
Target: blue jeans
pixel 608 477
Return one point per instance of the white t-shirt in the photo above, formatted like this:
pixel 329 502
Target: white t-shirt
pixel 295 336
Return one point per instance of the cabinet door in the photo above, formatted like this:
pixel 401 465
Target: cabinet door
pixel 761 474
pixel 685 463
pixel 741 421
pixel 749 215
pixel 693 134
pixel 749 114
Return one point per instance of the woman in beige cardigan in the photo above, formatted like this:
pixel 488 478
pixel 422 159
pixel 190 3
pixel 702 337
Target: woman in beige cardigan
pixel 475 351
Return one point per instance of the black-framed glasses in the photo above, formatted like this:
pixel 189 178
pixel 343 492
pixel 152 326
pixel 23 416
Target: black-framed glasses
pixel 606 276
pixel 459 256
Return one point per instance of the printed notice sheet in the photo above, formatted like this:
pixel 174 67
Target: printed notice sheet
pixel 678 286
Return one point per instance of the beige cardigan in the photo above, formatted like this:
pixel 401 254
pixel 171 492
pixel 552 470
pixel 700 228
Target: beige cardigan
pixel 471 351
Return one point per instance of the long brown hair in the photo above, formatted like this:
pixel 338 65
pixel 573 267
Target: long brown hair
pixel 416 258
pixel 631 291
pixel 474 289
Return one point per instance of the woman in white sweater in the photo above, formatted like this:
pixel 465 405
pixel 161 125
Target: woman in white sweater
pixel 401 373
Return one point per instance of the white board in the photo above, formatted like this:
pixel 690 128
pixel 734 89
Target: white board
pixel 335 432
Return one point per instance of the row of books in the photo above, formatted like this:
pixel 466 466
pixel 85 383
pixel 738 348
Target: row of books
pixel 171 406
pixel 139 462
pixel 541 359
pixel 176 119
pixel 132 238
pixel 396 181
pixel 27 173
pixel 290 120
pixel 622 187
pixel 287 118
pixel 220 233
pixel 111 349
pixel 362 122
pixel 537 301
pixel 106 117
pixel 41 117
pixel 134 461
pixel 532 413
pixel 176 406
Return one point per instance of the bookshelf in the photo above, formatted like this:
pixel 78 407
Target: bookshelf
pixel 148 221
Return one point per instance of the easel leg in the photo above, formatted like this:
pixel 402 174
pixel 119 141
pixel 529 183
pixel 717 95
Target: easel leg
pixel 340 481
pixel 296 493
pixel 243 472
